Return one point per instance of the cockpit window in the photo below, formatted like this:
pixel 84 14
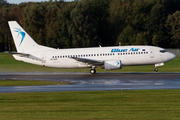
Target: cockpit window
pixel 163 51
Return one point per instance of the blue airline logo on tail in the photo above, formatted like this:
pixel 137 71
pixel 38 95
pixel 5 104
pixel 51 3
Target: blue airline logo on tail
pixel 22 34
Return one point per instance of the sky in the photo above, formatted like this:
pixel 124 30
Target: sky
pixel 20 1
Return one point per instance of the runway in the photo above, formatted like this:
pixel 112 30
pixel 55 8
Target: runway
pixel 88 82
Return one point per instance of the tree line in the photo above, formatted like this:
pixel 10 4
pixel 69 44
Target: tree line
pixel 90 23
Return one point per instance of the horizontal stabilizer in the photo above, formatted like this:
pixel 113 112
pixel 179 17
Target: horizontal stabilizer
pixel 29 56
pixel 18 54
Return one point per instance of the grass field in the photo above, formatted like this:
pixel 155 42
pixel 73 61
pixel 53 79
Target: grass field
pixel 29 82
pixel 9 64
pixel 91 105
pixel 88 105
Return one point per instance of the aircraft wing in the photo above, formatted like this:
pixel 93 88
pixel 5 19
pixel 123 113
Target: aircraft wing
pixel 89 61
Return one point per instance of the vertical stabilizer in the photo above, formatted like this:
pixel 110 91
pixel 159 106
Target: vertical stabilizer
pixel 23 42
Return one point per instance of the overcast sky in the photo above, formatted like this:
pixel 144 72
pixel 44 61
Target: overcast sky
pixel 20 1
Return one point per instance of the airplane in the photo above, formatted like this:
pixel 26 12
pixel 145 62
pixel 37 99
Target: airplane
pixel 108 58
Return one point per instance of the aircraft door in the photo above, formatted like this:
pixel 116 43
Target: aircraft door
pixel 43 57
pixel 151 53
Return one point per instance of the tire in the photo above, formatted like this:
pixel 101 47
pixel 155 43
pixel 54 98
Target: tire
pixel 155 69
pixel 92 71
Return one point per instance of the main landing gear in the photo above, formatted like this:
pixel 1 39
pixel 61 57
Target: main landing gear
pixel 93 70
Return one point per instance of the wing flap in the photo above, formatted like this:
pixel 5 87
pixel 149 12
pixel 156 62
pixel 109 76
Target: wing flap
pixel 89 61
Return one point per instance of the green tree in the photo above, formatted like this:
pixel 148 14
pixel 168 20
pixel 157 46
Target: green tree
pixel 82 27
pixel 173 25
pixel 127 36
pixel 99 12
pixel 52 25
pixel 2 2
pixel 120 16
pixel 156 25
pixel 155 40
pixel 140 14
pixel 141 39
pixel 65 19
pixel 34 21
pixel 5 36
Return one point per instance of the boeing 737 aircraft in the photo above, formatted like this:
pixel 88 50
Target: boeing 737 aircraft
pixel 109 58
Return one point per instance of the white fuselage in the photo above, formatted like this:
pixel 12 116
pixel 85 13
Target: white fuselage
pixel 108 58
pixel 128 55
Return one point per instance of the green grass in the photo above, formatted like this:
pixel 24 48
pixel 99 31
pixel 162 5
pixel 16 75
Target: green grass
pixel 29 82
pixel 88 105
pixel 91 105
pixel 9 64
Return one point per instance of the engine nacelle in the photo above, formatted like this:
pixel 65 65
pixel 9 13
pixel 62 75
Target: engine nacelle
pixel 112 65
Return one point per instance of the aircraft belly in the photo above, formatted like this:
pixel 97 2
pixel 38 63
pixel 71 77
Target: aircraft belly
pixel 67 63
pixel 137 61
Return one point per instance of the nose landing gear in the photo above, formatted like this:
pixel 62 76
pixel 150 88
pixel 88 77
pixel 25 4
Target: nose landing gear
pixel 155 69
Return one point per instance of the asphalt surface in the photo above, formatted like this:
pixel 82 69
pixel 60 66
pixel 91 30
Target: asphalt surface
pixel 99 81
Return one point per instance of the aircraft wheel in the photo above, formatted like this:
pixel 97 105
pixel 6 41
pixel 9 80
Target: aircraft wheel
pixel 92 71
pixel 155 69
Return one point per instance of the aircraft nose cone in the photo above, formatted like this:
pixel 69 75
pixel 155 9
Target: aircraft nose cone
pixel 172 56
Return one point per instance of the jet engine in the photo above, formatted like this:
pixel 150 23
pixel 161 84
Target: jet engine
pixel 112 65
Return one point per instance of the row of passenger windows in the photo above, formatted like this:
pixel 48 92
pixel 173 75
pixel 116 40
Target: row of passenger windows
pixel 132 53
pixel 87 55
pixel 91 55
